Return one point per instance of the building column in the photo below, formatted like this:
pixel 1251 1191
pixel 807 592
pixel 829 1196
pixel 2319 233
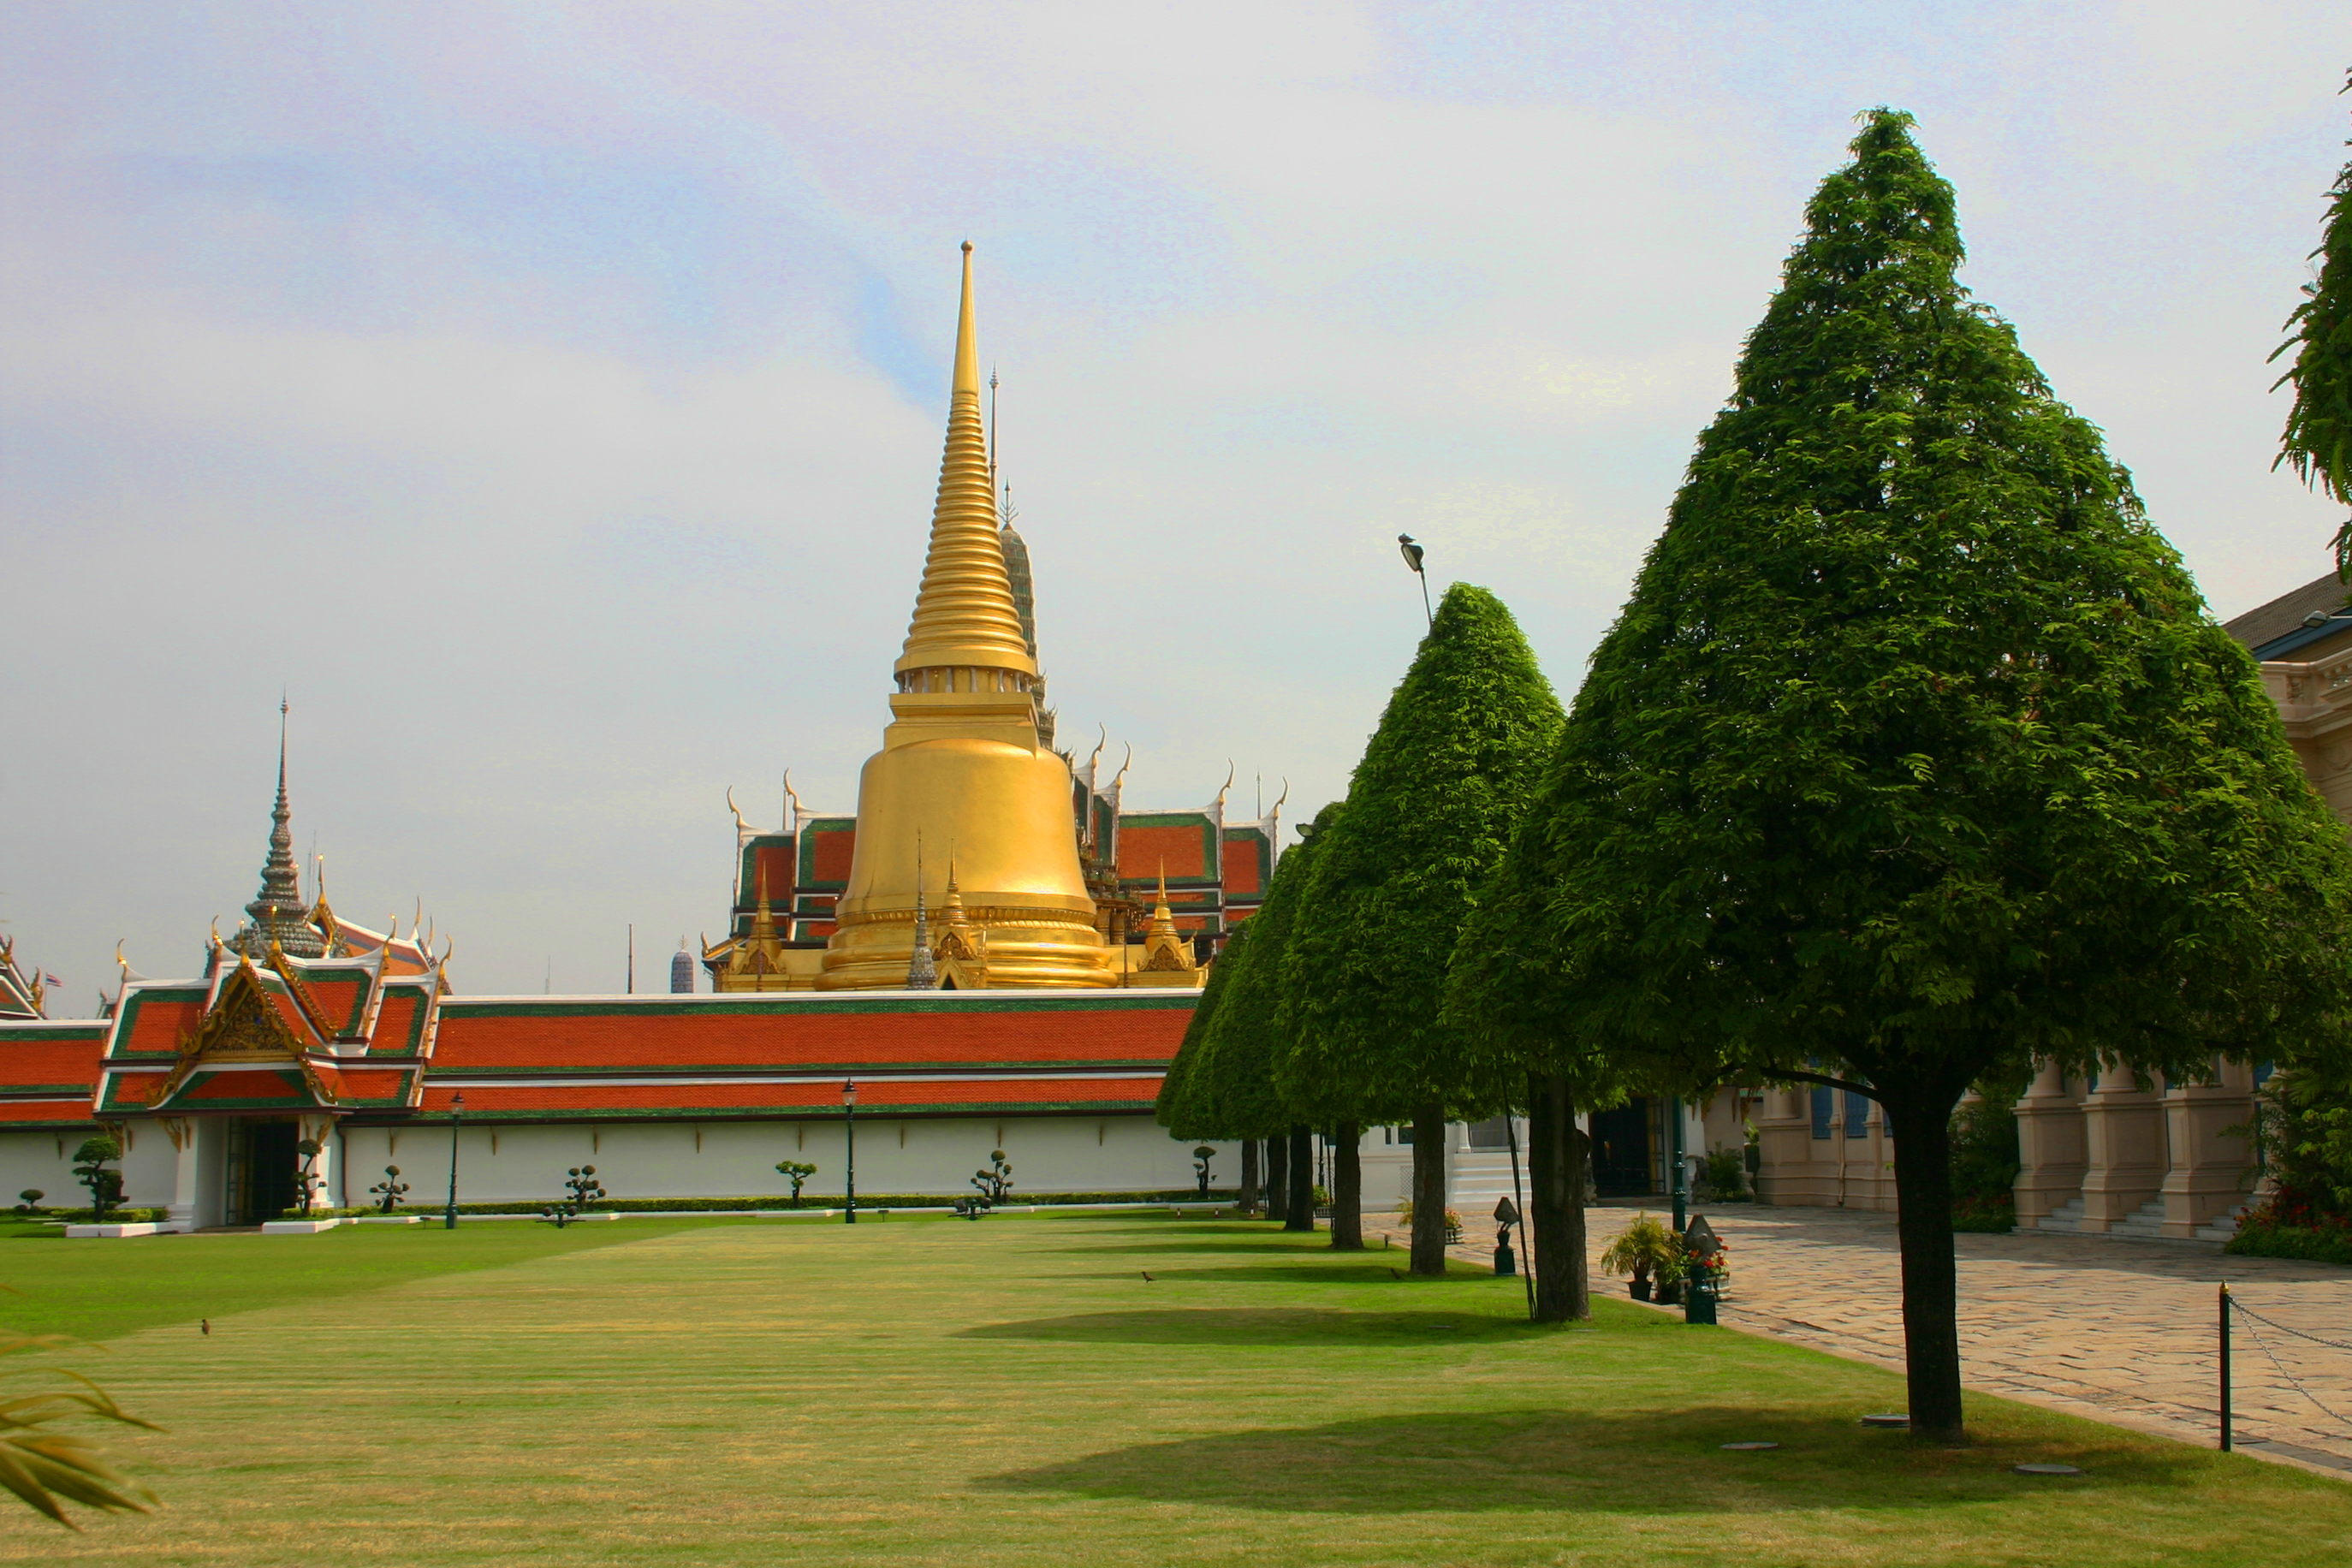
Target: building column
pixel 181 1213
pixel 2051 1152
pixel 1784 1142
pixel 2211 1168
pixel 2122 1127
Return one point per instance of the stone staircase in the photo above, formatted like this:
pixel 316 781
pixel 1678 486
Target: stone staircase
pixel 2145 1223
pixel 2067 1216
pixel 1478 1180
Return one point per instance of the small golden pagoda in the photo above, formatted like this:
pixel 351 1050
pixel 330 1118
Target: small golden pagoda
pixel 963 763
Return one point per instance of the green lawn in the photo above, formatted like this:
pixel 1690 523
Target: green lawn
pixel 1018 1392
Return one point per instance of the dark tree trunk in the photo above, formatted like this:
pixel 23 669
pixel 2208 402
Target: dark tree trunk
pixel 1346 1190
pixel 1277 1178
pixel 1245 1200
pixel 1556 1202
pixel 1300 1214
pixel 1429 1191
pixel 1920 1122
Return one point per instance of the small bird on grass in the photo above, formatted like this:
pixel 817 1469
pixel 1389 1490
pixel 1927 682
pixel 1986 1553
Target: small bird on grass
pixel 1147 1275
pixel 204 1324
pixel 1394 1275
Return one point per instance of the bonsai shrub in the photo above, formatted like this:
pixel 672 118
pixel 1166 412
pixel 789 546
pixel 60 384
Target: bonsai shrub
pixel 1202 1155
pixel 389 1191
pixel 306 1179
pixel 582 1187
pixel 796 1172
pixel 90 1169
pixel 997 1179
pixel 29 1200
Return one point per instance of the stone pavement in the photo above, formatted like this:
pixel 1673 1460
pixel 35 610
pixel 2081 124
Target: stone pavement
pixel 2122 1331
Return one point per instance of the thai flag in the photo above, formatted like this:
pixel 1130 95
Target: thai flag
pixel 51 980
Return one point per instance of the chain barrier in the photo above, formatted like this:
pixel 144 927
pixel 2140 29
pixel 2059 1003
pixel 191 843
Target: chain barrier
pixel 2249 1317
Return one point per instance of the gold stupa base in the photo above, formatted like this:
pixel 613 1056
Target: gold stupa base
pixel 1021 948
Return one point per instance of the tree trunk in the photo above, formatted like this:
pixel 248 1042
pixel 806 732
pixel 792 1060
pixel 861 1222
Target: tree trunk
pixel 1921 1123
pixel 1301 1213
pixel 1429 1191
pixel 1277 1178
pixel 1245 1200
pixel 1346 1190
pixel 1555 1200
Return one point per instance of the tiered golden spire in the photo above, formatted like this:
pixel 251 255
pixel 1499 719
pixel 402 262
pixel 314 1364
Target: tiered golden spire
pixel 965 616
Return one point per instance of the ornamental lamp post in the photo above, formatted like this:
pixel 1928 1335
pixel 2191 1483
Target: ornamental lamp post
pixel 1412 553
pixel 849 1166
pixel 457 1114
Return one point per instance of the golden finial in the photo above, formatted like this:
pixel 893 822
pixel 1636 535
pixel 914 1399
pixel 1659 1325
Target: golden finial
pixel 1120 782
pixel 736 812
pixel 965 616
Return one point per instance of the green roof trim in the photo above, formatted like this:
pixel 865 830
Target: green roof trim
pixel 55 1034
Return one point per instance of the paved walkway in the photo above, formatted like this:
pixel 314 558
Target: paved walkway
pixel 2118 1330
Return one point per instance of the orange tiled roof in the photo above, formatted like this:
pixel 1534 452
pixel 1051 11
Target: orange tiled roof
pixel 480 1035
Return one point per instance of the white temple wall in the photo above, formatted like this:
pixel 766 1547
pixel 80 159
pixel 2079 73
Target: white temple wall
pixel 45 1159
pixel 526 1164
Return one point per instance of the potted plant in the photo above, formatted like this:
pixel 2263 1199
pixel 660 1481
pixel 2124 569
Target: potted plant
pixel 1652 1254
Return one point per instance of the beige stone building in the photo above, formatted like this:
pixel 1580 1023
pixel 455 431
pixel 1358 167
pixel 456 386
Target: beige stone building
pixel 2112 1153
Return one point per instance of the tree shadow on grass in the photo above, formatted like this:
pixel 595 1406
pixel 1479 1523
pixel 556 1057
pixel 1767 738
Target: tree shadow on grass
pixel 1348 1273
pixel 1667 1462
pixel 1233 1240
pixel 1268 1326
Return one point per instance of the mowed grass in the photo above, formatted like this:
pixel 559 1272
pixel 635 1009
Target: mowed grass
pixel 1017 1392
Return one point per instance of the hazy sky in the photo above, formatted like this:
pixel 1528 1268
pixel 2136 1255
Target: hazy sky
pixel 550 397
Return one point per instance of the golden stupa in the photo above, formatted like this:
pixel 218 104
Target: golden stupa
pixel 963 767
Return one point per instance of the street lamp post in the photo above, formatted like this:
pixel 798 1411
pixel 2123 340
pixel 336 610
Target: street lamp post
pixel 849 1126
pixel 1682 1166
pixel 1412 553
pixel 457 1114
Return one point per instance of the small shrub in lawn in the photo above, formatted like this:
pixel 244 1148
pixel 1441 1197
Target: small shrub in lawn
pixel 389 1191
pixel 796 1172
pixel 90 1168
pixel 583 1188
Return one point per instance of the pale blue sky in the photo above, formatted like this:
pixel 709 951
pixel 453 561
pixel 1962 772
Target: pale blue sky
pixel 550 396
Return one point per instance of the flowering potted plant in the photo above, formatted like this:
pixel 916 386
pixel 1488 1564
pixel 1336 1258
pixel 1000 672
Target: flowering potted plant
pixel 1652 1254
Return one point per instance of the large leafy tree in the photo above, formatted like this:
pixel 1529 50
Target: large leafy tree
pixel 1914 756
pixel 1430 807
pixel 2318 442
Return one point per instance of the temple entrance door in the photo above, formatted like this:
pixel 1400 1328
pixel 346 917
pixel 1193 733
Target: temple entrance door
pixel 1621 1152
pixel 262 1165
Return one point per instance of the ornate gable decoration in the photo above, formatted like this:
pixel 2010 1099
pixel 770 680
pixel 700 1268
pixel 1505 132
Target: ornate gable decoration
pixel 244 1026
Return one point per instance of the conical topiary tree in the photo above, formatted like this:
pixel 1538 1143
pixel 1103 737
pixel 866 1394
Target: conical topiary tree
pixel 1433 803
pixel 2318 442
pixel 1221 1084
pixel 1915 756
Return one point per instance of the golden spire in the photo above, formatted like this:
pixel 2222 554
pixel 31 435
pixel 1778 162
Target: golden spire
pixel 965 616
